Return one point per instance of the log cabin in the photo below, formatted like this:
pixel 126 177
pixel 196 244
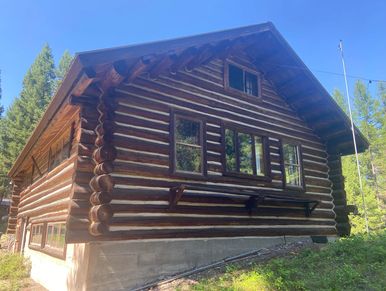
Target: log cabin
pixel 161 157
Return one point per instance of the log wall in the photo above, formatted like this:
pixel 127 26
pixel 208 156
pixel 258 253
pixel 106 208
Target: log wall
pixel 140 176
pixel 339 194
pixel 48 197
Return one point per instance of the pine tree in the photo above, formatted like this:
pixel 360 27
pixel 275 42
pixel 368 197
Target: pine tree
pixel 23 115
pixel 1 96
pixel 63 66
pixel 366 112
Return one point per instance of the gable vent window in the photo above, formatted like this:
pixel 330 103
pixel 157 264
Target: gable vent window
pixel 243 80
pixel 292 165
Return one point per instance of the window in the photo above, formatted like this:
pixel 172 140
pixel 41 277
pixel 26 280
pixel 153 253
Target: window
pixel 49 237
pixel 36 234
pixel 188 137
pixel 55 236
pixel 244 153
pixel 292 165
pixel 243 80
pixel 60 152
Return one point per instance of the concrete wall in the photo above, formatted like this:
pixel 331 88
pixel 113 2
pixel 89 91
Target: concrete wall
pixel 56 274
pixel 126 265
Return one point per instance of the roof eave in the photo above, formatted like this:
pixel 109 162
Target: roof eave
pixel 60 96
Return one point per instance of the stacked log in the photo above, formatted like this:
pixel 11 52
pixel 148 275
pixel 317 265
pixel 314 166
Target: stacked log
pixel 102 183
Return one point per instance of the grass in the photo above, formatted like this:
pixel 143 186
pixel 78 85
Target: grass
pixel 13 270
pixel 355 263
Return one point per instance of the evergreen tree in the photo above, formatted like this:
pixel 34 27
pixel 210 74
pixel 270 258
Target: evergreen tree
pixel 23 115
pixel 365 111
pixel 1 95
pixel 63 66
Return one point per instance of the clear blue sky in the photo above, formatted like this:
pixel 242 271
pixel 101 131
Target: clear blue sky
pixel 313 29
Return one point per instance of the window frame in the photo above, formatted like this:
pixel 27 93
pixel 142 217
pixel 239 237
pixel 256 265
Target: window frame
pixel 54 252
pixel 33 244
pixel 174 114
pixel 298 145
pixel 266 154
pixel 244 69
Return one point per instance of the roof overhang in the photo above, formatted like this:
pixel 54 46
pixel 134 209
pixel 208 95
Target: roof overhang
pixel 263 43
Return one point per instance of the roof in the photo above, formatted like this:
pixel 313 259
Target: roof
pixel 269 50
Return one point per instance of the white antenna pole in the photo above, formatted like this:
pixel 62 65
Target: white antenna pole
pixel 354 138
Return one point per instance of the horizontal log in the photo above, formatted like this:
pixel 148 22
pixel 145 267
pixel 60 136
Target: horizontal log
pixel 142 133
pixel 213 109
pixel 206 221
pixel 206 197
pixel 226 210
pixel 133 120
pixel 142 157
pixel 53 207
pixel 141 145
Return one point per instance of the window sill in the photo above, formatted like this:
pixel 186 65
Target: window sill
pixel 188 175
pixel 248 176
pixel 243 94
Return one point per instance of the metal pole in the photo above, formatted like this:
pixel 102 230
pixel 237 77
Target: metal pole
pixel 354 138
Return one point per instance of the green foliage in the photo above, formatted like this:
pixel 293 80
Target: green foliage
pixel 13 269
pixel 355 263
pixel 20 120
pixel 1 92
pixel 369 116
pixel 61 70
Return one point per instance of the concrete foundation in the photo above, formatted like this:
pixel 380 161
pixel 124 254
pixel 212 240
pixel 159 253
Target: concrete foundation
pixel 126 265
pixel 58 274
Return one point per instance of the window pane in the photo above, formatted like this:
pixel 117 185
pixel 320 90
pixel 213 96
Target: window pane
pixel 188 131
pixel 245 153
pixel 292 165
pixel 259 156
pixel 250 84
pixel 66 150
pixel 188 158
pixel 230 150
pixel 236 78
pixel 290 154
pixel 61 241
pixel 292 175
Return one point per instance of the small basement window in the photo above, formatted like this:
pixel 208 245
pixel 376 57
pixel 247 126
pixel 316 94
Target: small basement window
pixel 245 153
pixel 49 238
pixel 243 80
pixel 188 145
pixel 36 234
pixel 292 165
pixel 55 236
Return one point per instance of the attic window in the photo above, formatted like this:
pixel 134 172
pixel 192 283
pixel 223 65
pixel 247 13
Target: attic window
pixel 242 79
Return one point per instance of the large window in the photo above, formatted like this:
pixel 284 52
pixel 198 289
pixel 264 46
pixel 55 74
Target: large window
pixel 242 80
pixel 188 145
pixel 244 153
pixel 292 165
pixel 49 237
